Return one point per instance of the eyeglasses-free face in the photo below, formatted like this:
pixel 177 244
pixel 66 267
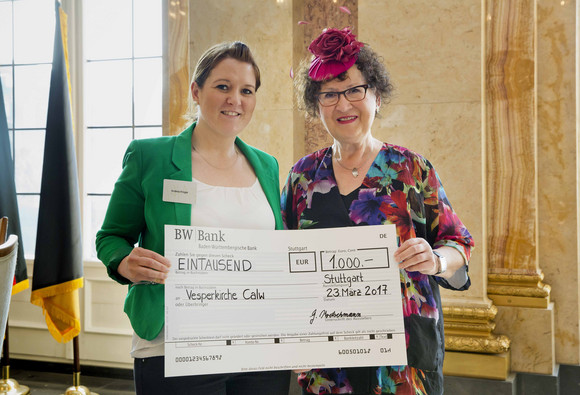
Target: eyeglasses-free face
pixel 356 93
pixel 228 97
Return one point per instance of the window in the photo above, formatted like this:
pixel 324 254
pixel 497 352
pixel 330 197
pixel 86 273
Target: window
pixel 121 95
pixel 25 65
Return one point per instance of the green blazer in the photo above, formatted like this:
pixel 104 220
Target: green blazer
pixel 137 214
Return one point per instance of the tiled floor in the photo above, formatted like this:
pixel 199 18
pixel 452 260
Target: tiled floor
pixel 110 382
pixel 48 379
pixel 46 383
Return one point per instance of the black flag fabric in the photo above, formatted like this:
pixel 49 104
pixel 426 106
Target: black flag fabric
pixel 58 270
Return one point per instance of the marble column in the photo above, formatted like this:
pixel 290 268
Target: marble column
pixel 512 190
pixel 176 66
pixel 515 280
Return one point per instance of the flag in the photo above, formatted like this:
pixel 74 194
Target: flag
pixel 58 269
pixel 8 200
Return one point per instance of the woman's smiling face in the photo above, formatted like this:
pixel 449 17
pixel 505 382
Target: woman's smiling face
pixel 228 97
pixel 348 122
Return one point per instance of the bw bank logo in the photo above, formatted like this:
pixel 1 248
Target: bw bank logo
pixel 199 235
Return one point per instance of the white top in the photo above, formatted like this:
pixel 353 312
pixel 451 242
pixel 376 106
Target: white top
pixel 232 207
pixel 216 206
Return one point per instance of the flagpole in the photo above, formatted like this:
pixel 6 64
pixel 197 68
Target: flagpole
pixel 8 386
pixel 77 388
pixel 58 262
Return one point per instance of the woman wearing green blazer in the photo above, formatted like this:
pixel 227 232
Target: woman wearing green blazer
pixel 235 185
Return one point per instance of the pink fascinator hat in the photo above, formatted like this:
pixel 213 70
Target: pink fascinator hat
pixel 335 51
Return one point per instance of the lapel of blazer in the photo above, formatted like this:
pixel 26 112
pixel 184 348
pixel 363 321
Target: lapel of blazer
pixel 181 158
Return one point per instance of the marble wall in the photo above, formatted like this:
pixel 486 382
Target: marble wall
pixel 557 78
pixel 433 52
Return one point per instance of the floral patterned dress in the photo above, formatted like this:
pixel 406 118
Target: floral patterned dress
pixel 400 188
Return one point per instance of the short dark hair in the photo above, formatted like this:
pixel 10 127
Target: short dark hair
pixel 370 65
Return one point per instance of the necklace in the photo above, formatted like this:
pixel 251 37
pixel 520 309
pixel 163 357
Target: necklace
pixel 215 167
pixel 353 171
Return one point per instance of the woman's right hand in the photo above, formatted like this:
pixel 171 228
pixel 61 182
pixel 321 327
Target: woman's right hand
pixel 143 265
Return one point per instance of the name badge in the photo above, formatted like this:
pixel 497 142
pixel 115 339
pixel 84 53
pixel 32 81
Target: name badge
pixel 176 191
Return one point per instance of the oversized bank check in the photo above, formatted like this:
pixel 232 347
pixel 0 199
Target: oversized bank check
pixel 248 300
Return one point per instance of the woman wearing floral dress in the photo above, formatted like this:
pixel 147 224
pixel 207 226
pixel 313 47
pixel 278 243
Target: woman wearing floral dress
pixel 361 181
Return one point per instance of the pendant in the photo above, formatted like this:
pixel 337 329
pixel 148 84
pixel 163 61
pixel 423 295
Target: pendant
pixel 354 172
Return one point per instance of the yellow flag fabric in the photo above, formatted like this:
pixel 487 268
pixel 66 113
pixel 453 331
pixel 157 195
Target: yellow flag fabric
pixel 58 270
pixel 60 305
